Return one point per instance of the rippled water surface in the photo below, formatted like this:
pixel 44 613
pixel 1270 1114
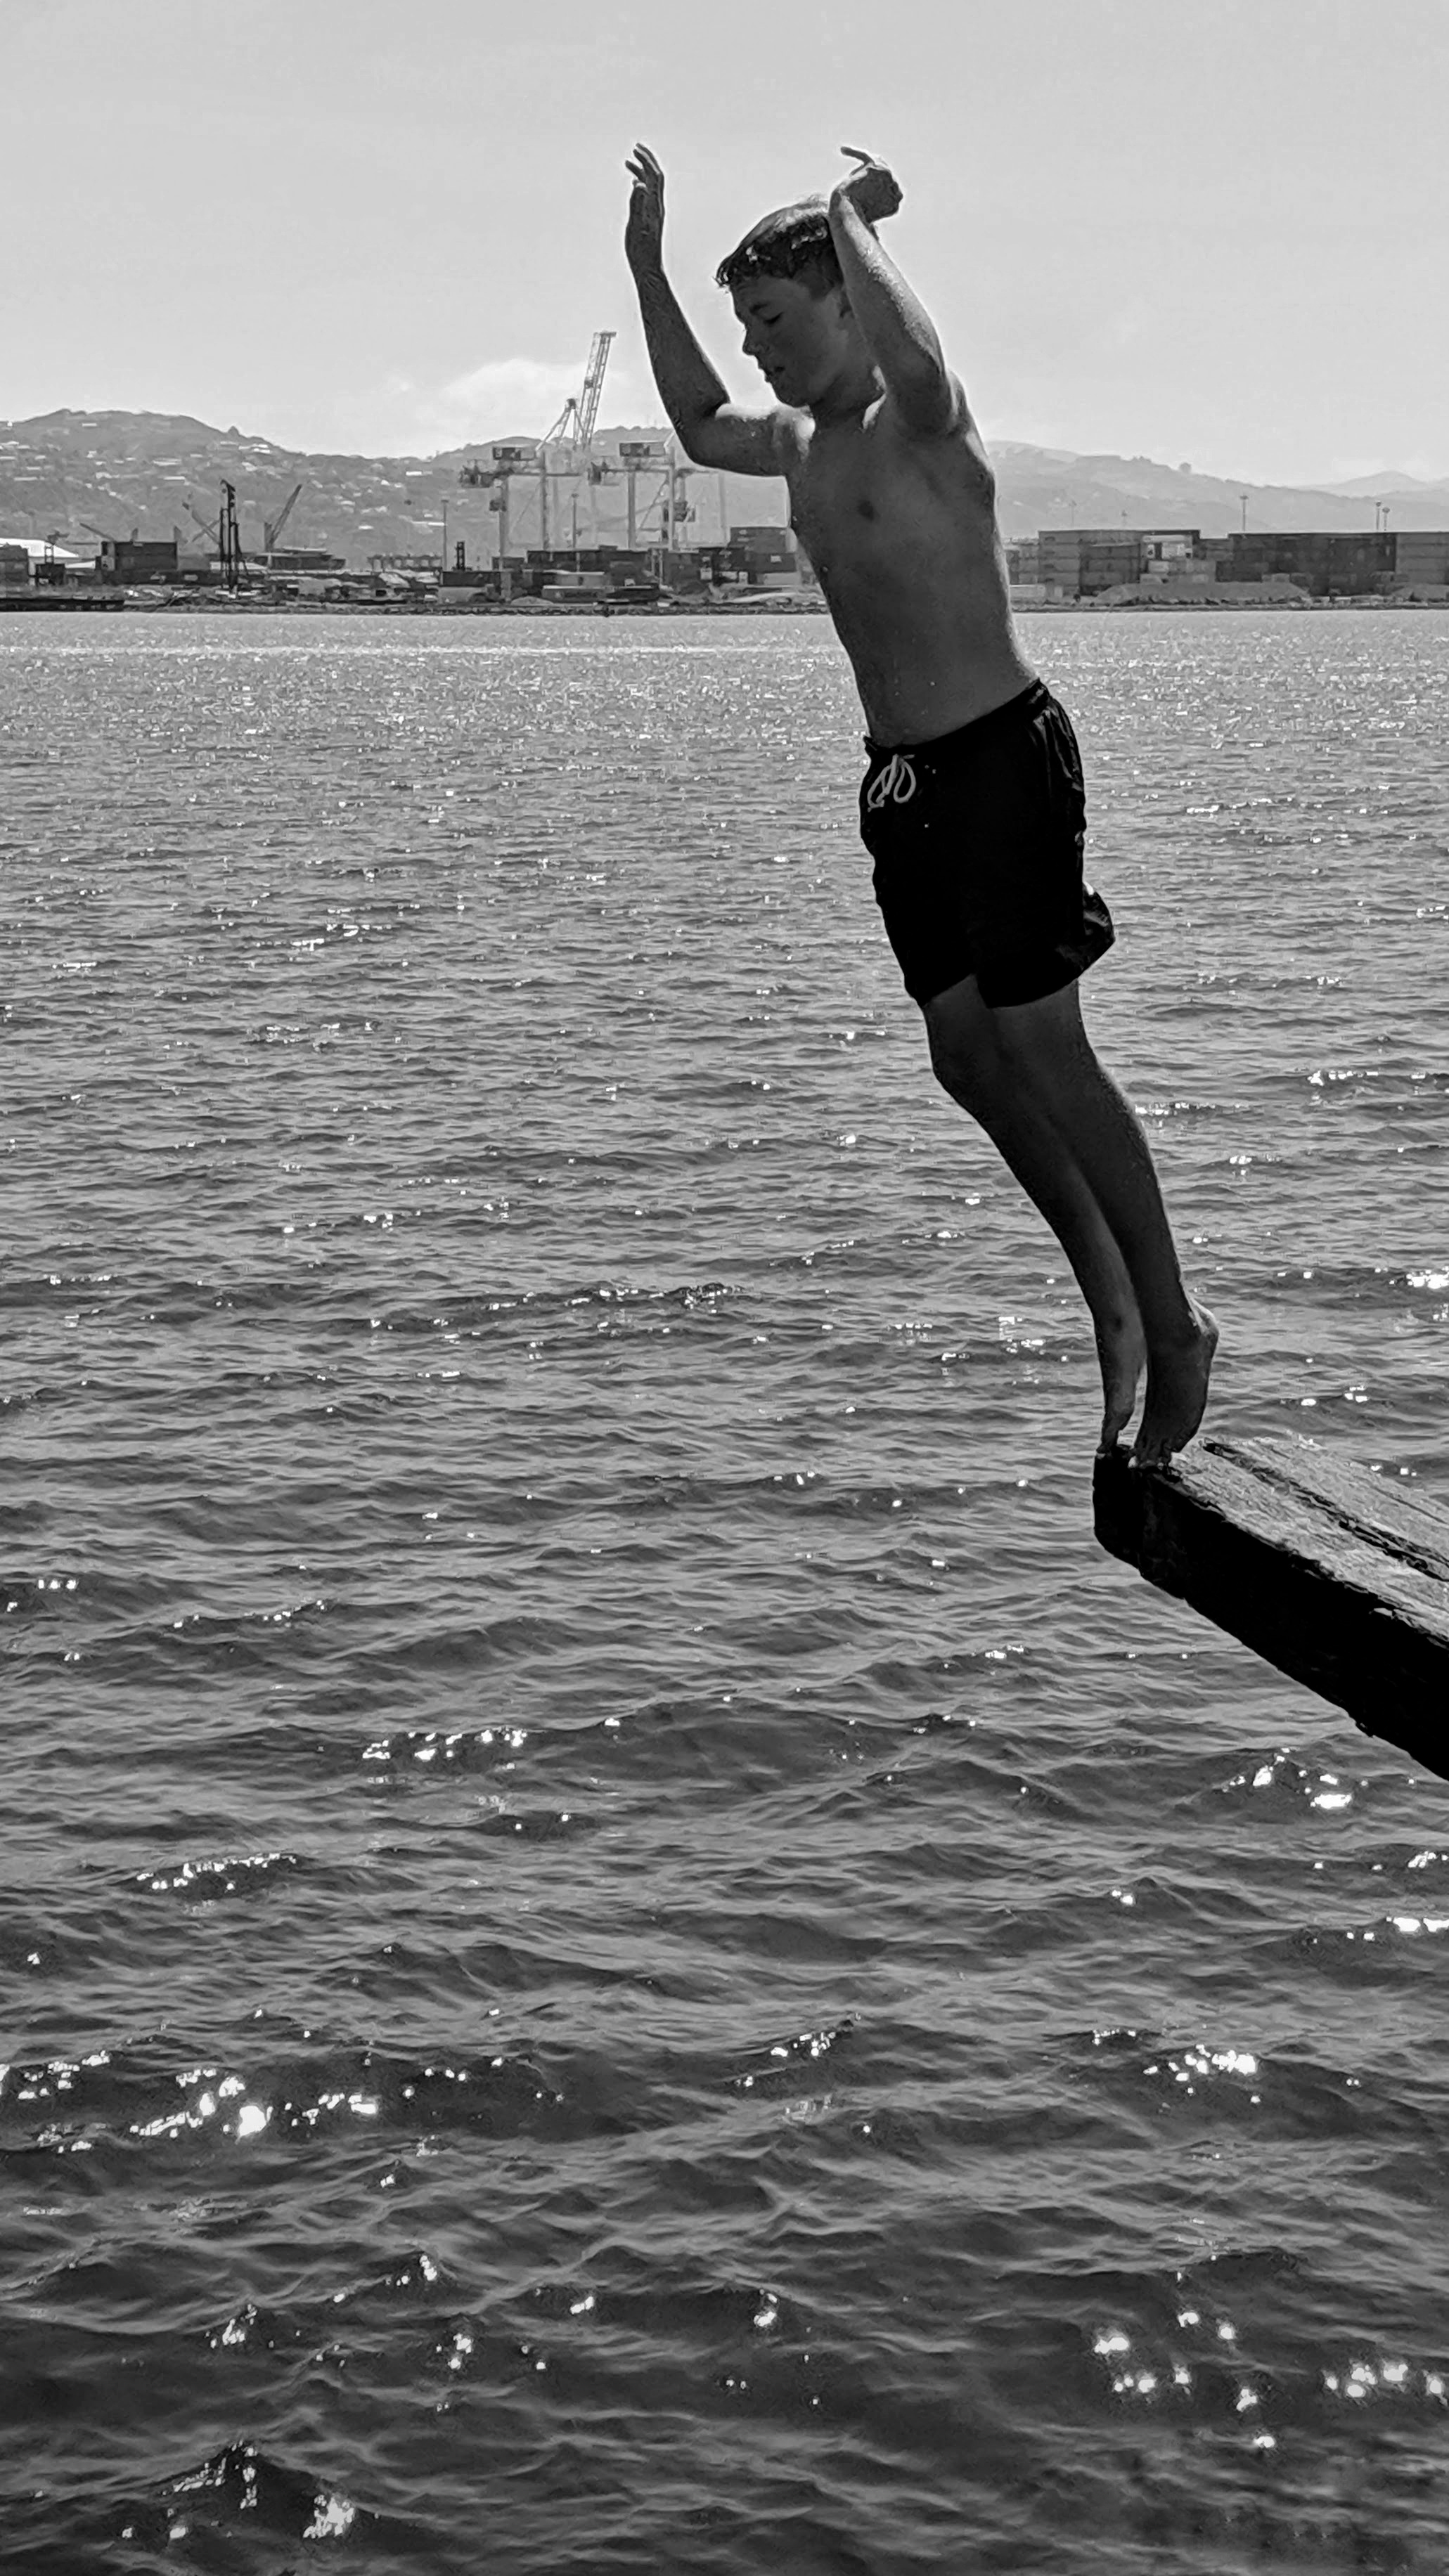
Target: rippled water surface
pixel 624 1949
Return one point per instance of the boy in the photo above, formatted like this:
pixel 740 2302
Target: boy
pixel 971 805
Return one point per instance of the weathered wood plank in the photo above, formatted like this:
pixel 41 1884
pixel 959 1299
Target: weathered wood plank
pixel 1330 1572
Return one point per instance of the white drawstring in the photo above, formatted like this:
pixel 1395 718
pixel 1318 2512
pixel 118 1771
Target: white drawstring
pixel 895 784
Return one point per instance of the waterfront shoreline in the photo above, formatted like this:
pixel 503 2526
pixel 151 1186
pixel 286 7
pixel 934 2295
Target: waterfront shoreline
pixel 771 605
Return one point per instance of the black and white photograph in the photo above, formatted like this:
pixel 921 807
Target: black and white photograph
pixel 724 1313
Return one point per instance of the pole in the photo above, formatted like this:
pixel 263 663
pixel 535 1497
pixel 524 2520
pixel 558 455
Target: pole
pixel 543 496
pixel 230 539
pixel 631 478
pixel 1242 496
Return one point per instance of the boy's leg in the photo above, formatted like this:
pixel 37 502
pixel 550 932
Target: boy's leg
pixel 1042 1054
pixel 981 1081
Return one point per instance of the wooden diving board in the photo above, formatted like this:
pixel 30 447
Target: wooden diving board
pixel 1334 1574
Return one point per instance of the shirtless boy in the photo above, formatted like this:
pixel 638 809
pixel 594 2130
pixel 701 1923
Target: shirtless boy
pixel 971 805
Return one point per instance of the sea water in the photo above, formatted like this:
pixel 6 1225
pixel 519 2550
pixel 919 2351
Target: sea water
pixel 623 1948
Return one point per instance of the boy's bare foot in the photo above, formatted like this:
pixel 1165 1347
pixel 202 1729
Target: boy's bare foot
pixel 1177 1385
pixel 1122 1357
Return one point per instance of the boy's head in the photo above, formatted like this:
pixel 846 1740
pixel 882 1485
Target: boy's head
pixel 786 287
pixel 792 242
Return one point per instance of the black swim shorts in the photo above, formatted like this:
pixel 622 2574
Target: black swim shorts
pixel 977 840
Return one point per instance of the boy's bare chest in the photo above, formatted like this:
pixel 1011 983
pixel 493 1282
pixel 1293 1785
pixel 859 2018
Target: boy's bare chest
pixel 842 501
pixel 860 504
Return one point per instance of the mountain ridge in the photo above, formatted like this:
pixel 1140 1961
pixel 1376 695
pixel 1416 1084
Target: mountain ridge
pixel 74 474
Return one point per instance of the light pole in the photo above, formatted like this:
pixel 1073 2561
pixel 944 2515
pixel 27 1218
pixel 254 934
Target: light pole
pixel 1242 496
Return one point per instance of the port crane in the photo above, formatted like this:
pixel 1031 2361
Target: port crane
pixel 574 430
pixel 215 529
pixel 507 462
pixel 650 456
pixel 225 534
pixel 272 528
pixel 583 410
pixel 209 527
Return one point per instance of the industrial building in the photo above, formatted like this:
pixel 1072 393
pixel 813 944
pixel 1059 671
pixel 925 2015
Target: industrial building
pixel 1421 559
pixel 285 559
pixel 615 573
pixel 1086 563
pixel 35 563
pixel 768 559
pixel 754 559
pixel 1080 562
pixel 1337 566
pixel 131 560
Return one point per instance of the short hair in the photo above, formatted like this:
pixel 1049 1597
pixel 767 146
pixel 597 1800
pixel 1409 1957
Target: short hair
pixel 793 242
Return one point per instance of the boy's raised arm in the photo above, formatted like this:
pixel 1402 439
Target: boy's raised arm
pixel 709 427
pixel 894 324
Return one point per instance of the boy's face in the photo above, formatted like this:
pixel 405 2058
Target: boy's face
pixel 798 340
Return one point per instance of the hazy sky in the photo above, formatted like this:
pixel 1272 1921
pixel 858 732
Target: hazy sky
pixel 1205 230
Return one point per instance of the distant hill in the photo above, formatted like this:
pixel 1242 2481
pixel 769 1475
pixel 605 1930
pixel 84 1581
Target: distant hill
pixel 76 474
pixel 1394 487
pixel 1041 488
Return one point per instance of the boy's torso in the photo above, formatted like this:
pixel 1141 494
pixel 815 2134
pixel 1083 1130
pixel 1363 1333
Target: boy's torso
pixel 901 531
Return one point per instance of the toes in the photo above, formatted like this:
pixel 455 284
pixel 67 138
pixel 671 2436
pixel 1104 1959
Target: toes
pixel 1150 1449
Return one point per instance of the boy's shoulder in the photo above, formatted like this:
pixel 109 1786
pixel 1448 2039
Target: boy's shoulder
pixel 882 436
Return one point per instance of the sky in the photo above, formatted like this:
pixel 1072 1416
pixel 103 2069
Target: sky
pixel 1208 231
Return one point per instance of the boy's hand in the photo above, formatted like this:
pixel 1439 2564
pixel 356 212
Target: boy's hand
pixel 644 231
pixel 871 190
